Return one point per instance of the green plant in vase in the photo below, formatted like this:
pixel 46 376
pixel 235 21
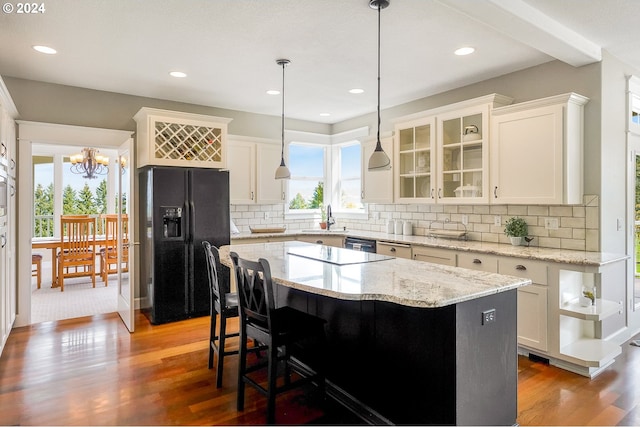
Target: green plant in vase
pixel 516 229
pixel 323 217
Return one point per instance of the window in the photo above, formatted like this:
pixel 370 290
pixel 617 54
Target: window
pixel 349 177
pixel 43 195
pixel 306 186
pixel 323 174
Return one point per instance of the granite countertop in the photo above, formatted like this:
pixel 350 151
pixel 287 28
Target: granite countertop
pixel 396 280
pixel 582 258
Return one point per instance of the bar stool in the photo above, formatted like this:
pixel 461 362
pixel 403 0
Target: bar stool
pixel 36 268
pixel 280 329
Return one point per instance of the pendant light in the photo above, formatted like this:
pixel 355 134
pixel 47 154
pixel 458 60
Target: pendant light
pixel 283 171
pixel 379 160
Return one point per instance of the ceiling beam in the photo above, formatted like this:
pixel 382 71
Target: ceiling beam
pixel 521 21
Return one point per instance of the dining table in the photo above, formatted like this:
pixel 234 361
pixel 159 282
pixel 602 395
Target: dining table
pixel 55 244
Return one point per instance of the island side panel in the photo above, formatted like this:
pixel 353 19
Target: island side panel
pixel 379 352
pixel 487 361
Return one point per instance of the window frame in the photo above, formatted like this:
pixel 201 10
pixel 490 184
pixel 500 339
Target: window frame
pixel 331 145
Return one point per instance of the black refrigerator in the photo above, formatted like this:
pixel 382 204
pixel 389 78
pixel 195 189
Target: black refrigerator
pixel 179 208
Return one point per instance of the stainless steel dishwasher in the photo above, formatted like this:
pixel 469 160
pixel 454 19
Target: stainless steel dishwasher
pixel 364 245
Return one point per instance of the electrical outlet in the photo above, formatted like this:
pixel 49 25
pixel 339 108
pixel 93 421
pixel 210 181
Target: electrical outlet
pixel 465 219
pixel 266 215
pixel 551 223
pixel 497 221
pixel 489 316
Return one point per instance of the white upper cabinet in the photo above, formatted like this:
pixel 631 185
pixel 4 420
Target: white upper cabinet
pixel 377 186
pixel 442 155
pixel 537 151
pixel 463 159
pixel 173 138
pixel 415 157
pixel 252 169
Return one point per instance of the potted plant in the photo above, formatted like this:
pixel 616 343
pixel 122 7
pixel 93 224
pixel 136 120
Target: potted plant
pixel 323 216
pixel 516 229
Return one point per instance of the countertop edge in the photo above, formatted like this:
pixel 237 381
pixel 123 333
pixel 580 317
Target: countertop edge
pixel 561 256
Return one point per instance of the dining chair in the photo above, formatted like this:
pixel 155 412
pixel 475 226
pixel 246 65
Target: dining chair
pixel 77 257
pixel 279 329
pixel 109 252
pixel 36 268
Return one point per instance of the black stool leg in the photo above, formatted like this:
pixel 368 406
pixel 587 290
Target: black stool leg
pixel 212 340
pixel 221 349
pixel 271 386
pixel 242 366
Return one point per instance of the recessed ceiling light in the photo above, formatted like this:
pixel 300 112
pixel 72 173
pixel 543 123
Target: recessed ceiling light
pixel 325 114
pixel 356 91
pixel 177 74
pixel 45 49
pixel 273 92
pixel 464 51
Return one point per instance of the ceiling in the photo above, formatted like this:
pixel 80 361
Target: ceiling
pixel 228 48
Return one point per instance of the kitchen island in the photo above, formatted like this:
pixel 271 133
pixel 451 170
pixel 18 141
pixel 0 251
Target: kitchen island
pixel 396 326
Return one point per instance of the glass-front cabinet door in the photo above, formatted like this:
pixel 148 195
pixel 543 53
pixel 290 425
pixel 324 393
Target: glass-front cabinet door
pixel 462 165
pixel 415 157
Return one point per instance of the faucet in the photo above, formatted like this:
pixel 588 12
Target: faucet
pixel 330 219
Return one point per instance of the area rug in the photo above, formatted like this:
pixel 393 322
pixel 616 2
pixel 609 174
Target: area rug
pixel 78 299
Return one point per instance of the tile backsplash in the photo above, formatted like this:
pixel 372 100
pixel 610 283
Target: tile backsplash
pixel 577 225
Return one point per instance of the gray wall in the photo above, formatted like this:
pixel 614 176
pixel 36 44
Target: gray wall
pixel 51 103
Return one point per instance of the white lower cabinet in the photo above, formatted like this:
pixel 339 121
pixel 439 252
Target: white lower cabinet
pixel 319 239
pixel 480 262
pixel 552 322
pixel 434 255
pixel 398 250
pixel 532 317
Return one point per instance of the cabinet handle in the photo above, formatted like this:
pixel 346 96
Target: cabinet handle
pixel 13 164
pixel 3 149
pixel 392 249
pixel 432 193
pixel 439 193
pixel 3 239
pixel 319 242
pixel 495 192
pixel 252 195
pixel 283 196
pixel 13 190
pixel 477 261
pixel 362 194
pixel 521 267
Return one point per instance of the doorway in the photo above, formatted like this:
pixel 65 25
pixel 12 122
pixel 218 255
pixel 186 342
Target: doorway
pixel 60 140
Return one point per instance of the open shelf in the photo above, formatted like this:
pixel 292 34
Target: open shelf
pixel 601 310
pixel 591 352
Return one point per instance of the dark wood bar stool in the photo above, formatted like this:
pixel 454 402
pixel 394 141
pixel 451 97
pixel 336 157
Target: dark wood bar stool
pixel 279 329
pixel 224 304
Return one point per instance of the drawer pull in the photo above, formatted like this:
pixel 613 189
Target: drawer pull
pixel 521 267
pixel 477 261
pixel 392 249
pixel 319 242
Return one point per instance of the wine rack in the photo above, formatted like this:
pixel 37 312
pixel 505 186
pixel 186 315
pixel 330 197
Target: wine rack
pixel 170 138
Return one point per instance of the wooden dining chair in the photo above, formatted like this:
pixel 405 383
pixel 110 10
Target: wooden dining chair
pixel 77 257
pixel 109 252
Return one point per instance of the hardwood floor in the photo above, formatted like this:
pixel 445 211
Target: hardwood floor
pixel 91 371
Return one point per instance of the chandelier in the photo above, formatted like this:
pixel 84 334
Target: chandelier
pixel 89 163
